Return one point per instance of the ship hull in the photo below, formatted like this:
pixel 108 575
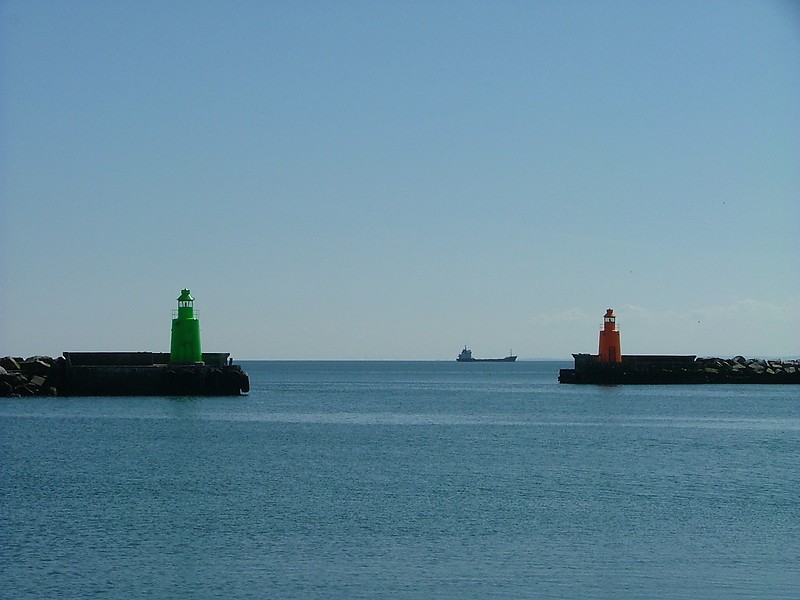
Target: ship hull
pixel 506 359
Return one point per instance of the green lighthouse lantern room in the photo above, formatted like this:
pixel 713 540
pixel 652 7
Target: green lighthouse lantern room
pixel 185 343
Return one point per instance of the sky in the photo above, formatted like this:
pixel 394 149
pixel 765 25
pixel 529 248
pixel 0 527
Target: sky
pixel 394 180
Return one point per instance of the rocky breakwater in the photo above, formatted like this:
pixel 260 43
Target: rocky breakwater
pixel 33 376
pixel 686 369
pixel 748 370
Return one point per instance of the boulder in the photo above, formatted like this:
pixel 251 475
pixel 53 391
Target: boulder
pixel 36 366
pixel 14 378
pixel 757 368
pixel 25 390
pixel 37 381
pixel 45 359
pixel 9 363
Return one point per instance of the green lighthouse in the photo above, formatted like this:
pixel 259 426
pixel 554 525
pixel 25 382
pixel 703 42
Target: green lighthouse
pixel 185 344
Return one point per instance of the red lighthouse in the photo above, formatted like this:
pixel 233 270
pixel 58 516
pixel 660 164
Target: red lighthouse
pixel 610 350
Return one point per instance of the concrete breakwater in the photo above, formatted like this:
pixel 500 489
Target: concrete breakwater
pixel 120 374
pixel 682 369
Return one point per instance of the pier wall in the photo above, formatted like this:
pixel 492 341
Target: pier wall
pixel 680 369
pixel 121 374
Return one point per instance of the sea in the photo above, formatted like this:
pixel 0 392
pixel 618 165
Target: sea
pixel 404 480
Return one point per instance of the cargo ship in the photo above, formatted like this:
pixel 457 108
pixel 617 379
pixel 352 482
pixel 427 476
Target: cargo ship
pixel 466 356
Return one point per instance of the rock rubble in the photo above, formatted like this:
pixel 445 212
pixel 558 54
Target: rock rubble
pixel 753 369
pixel 33 376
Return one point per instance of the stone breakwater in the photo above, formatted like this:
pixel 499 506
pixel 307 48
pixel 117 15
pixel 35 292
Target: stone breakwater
pixel 749 367
pixel 658 369
pixel 120 374
pixel 34 376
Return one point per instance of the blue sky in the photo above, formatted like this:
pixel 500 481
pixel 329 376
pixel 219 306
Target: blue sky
pixel 393 180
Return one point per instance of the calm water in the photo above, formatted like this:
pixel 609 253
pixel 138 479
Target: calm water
pixel 404 480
